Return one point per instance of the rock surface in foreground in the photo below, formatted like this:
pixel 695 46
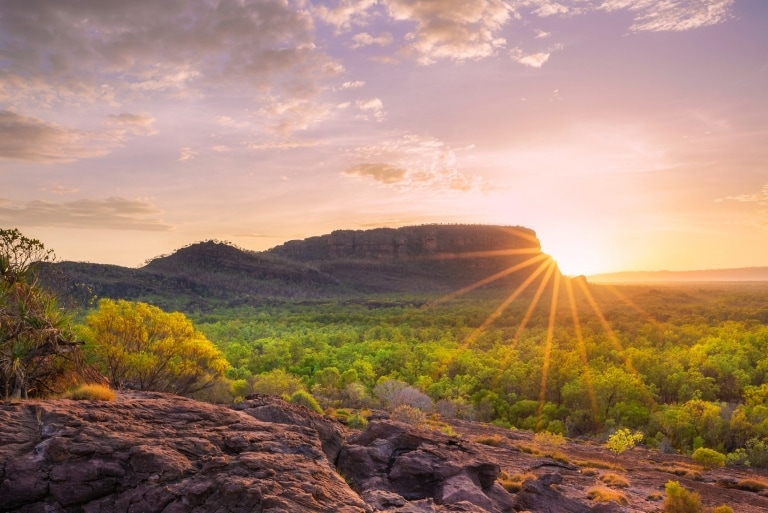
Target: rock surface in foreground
pixel 158 453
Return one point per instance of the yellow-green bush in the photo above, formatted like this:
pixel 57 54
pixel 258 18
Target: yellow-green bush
pixel 708 458
pixel 680 500
pixel 305 399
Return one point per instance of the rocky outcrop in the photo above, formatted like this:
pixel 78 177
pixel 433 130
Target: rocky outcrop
pixel 393 464
pixel 149 452
pixel 159 453
pixel 271 409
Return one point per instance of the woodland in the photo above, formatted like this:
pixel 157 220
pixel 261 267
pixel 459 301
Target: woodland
pixel 684 365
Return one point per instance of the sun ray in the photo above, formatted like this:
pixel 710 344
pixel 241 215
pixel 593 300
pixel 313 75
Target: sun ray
pixel 548 345
pixel 612 336
pixel 582 347
pixel 527 317
pixel 482 254
pixel 616 292
pixel 522 234
pixel 547 264
pixel 506 272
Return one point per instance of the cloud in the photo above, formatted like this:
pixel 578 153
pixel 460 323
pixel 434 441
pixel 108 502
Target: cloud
pixel 282 145
pixel 452 29
pixel 760 197
pixel 111 213
pixel 287 115
pixel 34 140
pixel 474 29
pixel 412 162
pixel 534 60
pixel 145 46
pixel 232 123
pixel 383 173
pixel 353 85
pixel 672 15
pixel 135 124
pixel 60 189
pixel 346 13
pixel 186 153
pixel 374 106
pixel 364 39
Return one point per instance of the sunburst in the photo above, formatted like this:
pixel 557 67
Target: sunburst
pixel 550 280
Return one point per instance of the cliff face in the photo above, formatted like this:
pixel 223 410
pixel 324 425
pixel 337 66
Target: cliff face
pixel 408 243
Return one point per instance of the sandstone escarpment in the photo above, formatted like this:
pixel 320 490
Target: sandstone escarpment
pixel 407 243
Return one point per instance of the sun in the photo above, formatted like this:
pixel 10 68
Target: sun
pixel 576 260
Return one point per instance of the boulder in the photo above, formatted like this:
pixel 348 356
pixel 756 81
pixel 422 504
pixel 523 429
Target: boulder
pixel 274 410
pixel 396 460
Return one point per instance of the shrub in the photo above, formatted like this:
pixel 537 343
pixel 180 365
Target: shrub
pixel 303 398
pixel 547 439
pixel 409 415
pixel 614 480
pixel 708 458
pixel 757 452
pixel 357 421
pixel 737 457
pixel 680 500
pixel 91 392
pixel 722 509
pixel 601 494
pixel 622 440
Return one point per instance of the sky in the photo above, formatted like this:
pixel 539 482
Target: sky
pixel 629 134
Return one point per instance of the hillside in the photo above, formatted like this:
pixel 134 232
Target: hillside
pixel 413 260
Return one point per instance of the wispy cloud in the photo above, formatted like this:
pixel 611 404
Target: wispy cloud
pixel 373 107
pixel 452 29
pixel 413 162
pixel 136 124
pixel 111 213
pixel 346 13
pixel 672 15
pixel 365 39
pixel 34 140
pixel 186 153
pixel 760 197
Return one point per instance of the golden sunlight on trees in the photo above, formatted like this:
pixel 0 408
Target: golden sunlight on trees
pixel 141 347
pixel 38 350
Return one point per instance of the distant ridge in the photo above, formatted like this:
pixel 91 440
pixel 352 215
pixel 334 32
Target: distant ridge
pixel 742 274
pixel 426 259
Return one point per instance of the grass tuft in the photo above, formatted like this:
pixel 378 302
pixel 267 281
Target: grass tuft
pixel 614 480
pixel 492 440
pixel 601 494
pixel 91 392
pixel 752 485
pixel 514 483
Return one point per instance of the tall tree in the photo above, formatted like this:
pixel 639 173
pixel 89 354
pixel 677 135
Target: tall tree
pixel 37 346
